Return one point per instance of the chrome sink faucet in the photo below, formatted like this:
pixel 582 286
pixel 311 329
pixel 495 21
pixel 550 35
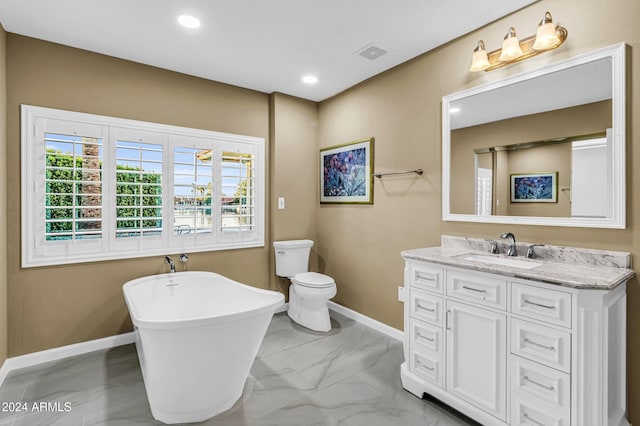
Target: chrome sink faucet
pixel 513 251
pixel 170 262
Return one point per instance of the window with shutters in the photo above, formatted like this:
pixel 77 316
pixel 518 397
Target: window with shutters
pixel 72 187
pixel 98 188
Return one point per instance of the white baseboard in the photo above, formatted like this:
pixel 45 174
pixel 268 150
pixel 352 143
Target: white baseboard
pixel 4 371
pixel 54 354
pixel 283 308
pixel 356 316
pixel 40 357
pixel 376 325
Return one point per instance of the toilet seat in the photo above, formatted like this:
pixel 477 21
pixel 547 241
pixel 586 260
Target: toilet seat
pixel 313 280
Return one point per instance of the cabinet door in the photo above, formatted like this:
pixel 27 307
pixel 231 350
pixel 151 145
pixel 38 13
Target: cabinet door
pixel 477 356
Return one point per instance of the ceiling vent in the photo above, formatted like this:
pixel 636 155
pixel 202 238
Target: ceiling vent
pixel 371 52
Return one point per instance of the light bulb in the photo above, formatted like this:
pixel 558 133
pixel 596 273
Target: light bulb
pixel 546 36
pixel 479 61
pixel 510 47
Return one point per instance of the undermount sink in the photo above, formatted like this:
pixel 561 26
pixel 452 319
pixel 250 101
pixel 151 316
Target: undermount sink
pixel 503 261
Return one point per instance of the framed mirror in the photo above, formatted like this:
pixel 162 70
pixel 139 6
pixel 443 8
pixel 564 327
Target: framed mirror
pixel 544 147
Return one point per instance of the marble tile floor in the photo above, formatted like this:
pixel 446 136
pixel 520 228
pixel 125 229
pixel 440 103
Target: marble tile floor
pixel 349 376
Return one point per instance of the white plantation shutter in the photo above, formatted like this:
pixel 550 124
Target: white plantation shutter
pixel 73 187
pixel 240 216
pixel 192 188
pixel 64 189
pixel 484 191
pixel 137 161
pixel 237 200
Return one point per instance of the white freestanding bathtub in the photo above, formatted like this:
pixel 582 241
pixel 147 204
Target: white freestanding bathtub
pixel 197 335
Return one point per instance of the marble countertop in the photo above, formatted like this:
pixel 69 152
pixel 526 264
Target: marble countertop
pixel 564 266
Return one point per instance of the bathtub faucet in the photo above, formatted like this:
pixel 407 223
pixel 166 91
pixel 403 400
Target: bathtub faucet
pixel 184 258
pixel 170 262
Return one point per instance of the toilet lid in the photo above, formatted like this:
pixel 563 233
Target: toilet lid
pixel 313 279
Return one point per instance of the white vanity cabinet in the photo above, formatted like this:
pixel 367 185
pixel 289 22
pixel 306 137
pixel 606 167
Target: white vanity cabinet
pixel 476 356
pixel 512 351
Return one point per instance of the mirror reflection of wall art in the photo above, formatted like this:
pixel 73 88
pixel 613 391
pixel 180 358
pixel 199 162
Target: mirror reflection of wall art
pixel 534 188
pixel 346 173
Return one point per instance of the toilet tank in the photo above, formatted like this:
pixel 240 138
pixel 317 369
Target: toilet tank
pixel 292 257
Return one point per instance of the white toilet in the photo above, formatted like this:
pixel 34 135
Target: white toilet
pixel 309 291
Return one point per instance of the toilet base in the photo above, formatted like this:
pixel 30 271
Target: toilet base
pixel 310 312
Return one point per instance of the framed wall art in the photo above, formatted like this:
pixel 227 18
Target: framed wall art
pixel 534 188
pixel 346 173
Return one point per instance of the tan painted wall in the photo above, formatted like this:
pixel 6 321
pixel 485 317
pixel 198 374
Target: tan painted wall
pixel 401 109
pixel 576 121
pixel 55 306
pixel 3 196
pixel 360 244
pixel 294 153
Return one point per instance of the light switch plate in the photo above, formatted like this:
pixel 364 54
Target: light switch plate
pixel 280 203
pixel 401 294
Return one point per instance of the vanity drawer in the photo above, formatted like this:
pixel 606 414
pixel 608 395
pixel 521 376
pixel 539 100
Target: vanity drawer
pixel 427 365
pixel 545 345
pixel 539 382
pixel 425 277
pixel 526 411
pixel 480 289
pixel 426 336
pixel 542 304
pixel 426 307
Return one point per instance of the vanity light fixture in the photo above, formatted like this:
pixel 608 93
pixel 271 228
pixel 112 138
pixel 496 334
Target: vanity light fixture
pixel 547 37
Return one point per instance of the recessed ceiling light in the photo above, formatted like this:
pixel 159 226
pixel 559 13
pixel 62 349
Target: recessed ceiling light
pixel 188 21
pixel 453 110
pixel 309 79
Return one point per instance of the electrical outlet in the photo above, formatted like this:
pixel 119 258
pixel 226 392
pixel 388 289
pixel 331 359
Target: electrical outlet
pixel 280 203
pixel 401 294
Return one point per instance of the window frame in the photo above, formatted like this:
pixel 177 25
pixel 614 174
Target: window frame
pixel 36 251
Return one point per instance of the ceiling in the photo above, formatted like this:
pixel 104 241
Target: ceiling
pixel 257 44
